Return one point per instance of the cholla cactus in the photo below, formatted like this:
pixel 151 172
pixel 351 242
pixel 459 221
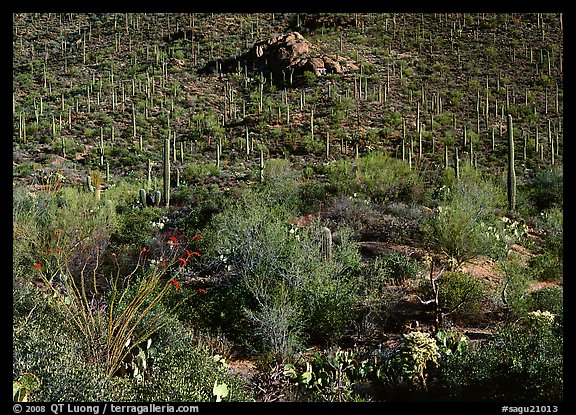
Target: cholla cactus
pixel 541 318
pixel 418 350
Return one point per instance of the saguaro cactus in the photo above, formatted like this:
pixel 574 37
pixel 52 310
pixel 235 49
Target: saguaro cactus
pixel 511 171
pixel 261 166
pixel 143 197
pixel 167 171
pixel 151 199
pixel 456 163
pixel 327 244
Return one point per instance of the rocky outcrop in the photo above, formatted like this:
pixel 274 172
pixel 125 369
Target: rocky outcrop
pixel 286 57
pixel 292 52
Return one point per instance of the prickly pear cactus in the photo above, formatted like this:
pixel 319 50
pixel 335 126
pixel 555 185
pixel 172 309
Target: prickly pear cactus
pixel 21 388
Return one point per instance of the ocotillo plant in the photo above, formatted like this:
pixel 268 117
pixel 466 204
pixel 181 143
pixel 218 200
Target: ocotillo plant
pixel 511 171
pixel 167 171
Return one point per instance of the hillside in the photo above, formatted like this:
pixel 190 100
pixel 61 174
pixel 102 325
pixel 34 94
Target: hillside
pixel 307 199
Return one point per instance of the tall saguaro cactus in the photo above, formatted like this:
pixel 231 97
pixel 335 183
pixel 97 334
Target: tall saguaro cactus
pixel 167 171
pixel 511 171
pixel 327 244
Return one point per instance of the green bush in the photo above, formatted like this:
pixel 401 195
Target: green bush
pixel 341 174
pixel 396 267
pixel 553 230
pixel 183 372
pixel 299 295
pixel 179 371
pixel 545 189
pixel 523 362
pixel 135 226
pixel 517 280
pixel 282 184
pixel 548 299
pixel 465 225
pixel 460 291
pixel 546 267
pixel 386 179
pixel 56 359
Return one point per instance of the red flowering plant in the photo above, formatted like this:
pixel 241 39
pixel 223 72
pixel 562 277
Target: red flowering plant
pixel 114 323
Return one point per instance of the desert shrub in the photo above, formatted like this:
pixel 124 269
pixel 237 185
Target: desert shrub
pixel 552 222
pixel 298 294
pixel 460 291
pixel 135 225
pixel 182 372
pixel 178 371
pixel 545 188
pixel 64 372
pixel 197 171
pixel 548 299
pixel 221 311
pixel 387 179
pixel 282 184
pixel 514 291
pixel 113 313
pixel 465 225
pixel 341 174
pixel 523 362
pixel 396 267
pixel 198 205
pixel 546 267
pixel 312 195
pixel 66 219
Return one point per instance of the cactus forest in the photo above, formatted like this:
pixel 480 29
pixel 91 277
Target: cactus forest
pixel 287 207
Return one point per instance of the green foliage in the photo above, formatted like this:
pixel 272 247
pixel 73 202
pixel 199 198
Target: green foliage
pixel 183 372
pixel 459 290
pixel 464 225
pixel 515 287
pixel 111 333
pixel 545 189
pixel 523 362
pixel 395 267
pixel 385 179
pixel 546 267
pixel 451 343
pixel 334 376
pixel 548 299
pixel 23 386
pixel 307 79
pixel 65 373
pixel 419 351
pixel 342 177
pixel 179 370
pixel 382 178
pixel 197 171
pixel 135 225
pixel 297 294
pixel 281 184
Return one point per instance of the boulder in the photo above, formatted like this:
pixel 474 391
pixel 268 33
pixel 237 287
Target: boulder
pixel 291 52
pixel 284 56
